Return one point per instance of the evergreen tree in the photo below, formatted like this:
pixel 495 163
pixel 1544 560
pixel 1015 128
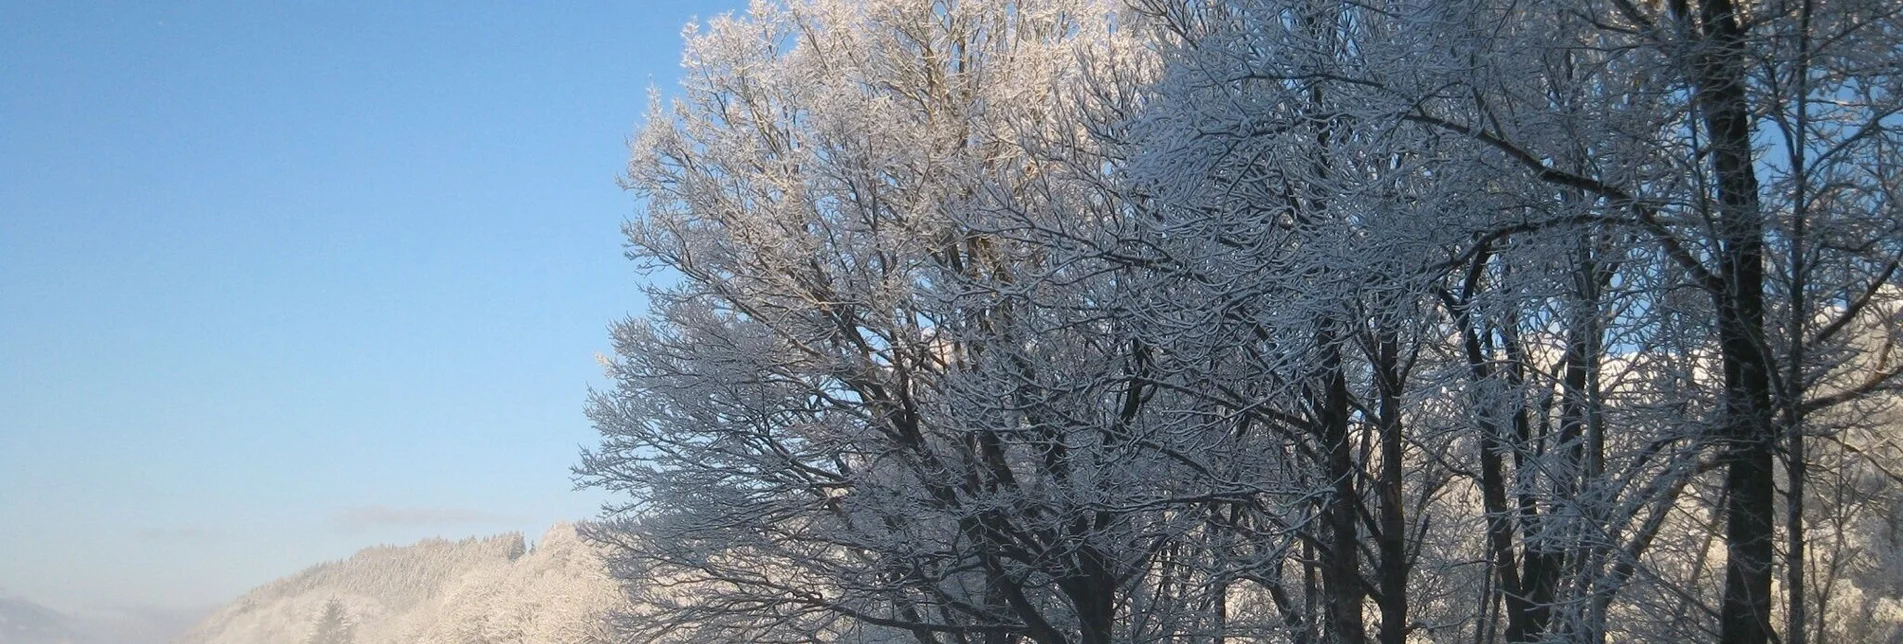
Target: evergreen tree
pixel 332 627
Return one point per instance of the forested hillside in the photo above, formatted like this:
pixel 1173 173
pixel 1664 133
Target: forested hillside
pixel 473 591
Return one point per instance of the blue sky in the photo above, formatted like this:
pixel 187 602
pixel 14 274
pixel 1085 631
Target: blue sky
pixel 279 281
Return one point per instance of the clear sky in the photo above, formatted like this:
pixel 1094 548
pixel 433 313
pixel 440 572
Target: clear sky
pixel 282 280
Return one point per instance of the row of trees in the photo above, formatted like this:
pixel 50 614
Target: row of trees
pixel 1268 320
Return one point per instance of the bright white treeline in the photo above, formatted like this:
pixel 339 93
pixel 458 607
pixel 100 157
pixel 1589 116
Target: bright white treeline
pixel 475 591
pixel 1277 321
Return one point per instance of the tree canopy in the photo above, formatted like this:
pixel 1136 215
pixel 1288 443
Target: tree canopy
pixel 1267 321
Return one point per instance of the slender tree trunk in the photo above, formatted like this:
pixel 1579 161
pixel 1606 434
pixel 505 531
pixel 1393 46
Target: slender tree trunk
pixel 1392 541
pixel 1540 569
pixel 1719 92
pixel 1579 445
pixel 1501 554
pixel 1796 616
pixel 1341 559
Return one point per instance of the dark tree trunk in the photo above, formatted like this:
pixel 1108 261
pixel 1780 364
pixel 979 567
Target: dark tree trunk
pixel 1392 540
pixel 1092 594
pixel 1341 561
pixel 1501 553
pixel 1719 84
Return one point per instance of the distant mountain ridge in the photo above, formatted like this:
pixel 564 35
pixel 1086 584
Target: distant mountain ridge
pixel 24 622
pixel 474 591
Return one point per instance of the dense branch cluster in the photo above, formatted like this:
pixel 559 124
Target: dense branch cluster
pixel 1267 321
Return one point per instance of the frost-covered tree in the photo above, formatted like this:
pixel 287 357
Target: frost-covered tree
pixel 1614 208
pixel 331 626
pixel 877 396
pixel 1284 238
pixel 1266 320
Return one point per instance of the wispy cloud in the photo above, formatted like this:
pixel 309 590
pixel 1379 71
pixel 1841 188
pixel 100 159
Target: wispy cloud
pixel 380 516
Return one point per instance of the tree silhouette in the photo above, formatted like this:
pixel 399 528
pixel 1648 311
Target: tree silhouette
pixel 333 626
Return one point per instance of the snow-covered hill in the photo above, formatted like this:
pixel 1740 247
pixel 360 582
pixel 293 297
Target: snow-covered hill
pixel 474 591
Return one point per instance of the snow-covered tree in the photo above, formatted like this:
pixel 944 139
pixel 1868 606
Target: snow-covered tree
pixel 331 626
pixel 1614 208
pixel 1266 320
pixel 876 396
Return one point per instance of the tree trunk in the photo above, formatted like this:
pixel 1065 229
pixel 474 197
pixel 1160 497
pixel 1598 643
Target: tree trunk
pixel 1745 616
pixel 1092 594
pixel 1392 540
pixel 1341 567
